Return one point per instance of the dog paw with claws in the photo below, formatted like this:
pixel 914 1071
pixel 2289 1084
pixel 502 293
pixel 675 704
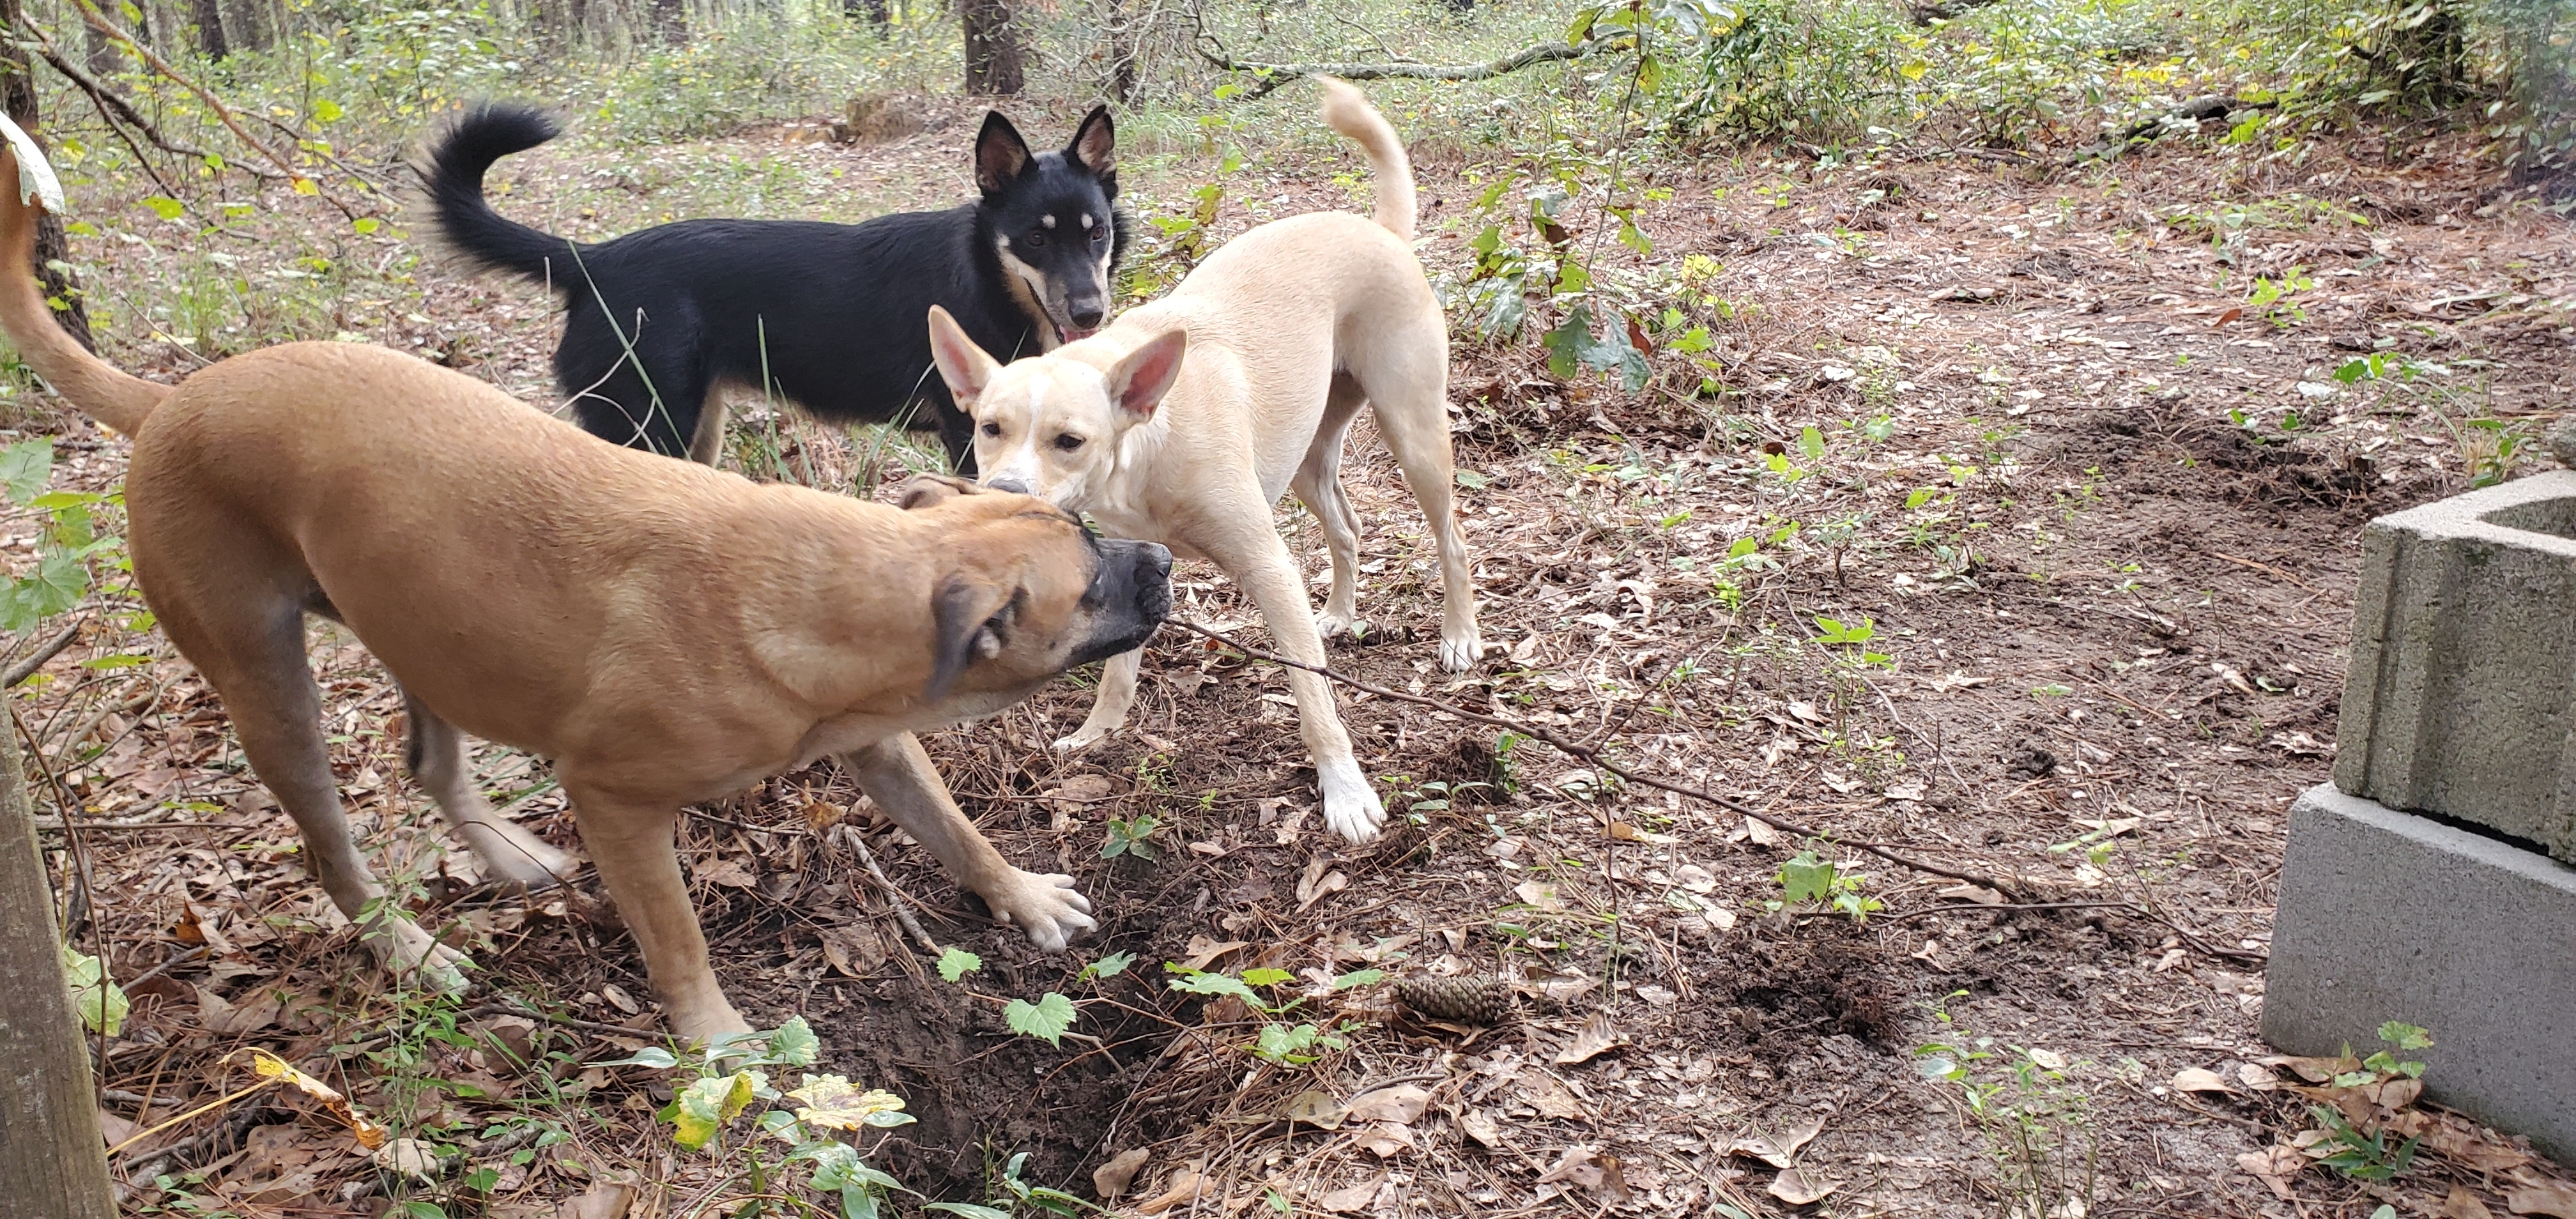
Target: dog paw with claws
pixel 1351 805
pixel 1331 625
pixel 1083 738
pixel 1043 904
pixel 402 947
pixel 1460 654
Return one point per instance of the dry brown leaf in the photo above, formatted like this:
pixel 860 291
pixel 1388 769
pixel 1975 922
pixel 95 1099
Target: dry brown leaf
pixel 1399 1104
pixel 1559 987
pixel 2257 1077
pixel 1203 951
pixel 1761 833
pixel 1594 1039
pixel 854 951
pixel 2556 1199
pixel 1112 1178
pixel 408 1157
pixel 1315 1108
pixel 2274 1166
pixel 1481 1127
pixel 2198 1079
pixel 117 1129
pixel 1549 1096
pixel 270 1066
pixel 1778 1152
pixel 1797 1189
pixel 1355 1198
pixel 733 872
pixel 2463 1205
pixel 605 1200
pixel 1979 894
pixel 1186 1186
pixel 1317 884
pixel 1592 1169
pixel 1385 1139
pixel 1539 896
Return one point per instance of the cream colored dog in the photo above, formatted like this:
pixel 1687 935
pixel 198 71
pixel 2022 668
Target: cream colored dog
pixel 666 633
pixel 1186 418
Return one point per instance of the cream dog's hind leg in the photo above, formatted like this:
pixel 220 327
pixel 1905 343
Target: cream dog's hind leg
pixel 1404 368
pixel 435 754
pixel 1109 706
pixel 1318 485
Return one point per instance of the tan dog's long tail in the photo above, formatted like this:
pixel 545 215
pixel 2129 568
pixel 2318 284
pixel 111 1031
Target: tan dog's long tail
pixel 106 394
pixel 1350 116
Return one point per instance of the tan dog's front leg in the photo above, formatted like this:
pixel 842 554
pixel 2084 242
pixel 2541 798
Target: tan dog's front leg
pixel 1109 707
pixel 633 848
pixel 896 773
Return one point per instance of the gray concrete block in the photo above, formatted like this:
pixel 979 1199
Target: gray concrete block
pixel 2386 915
pixel 2461 695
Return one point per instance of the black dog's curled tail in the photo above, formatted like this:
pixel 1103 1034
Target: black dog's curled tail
pixel 452 173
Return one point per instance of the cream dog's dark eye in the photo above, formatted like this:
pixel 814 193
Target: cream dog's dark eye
pixel 1068 442
pixel 992 429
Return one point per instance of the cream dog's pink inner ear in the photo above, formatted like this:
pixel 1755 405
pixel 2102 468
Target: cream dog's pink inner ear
pixel 1139 381
pixel 962 364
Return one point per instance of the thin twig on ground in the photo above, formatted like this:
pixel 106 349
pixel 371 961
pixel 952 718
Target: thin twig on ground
pixel 894 897
pixel 35 660
pixel 2009 887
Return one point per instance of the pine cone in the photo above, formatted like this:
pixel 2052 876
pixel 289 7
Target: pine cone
pixel 1456 1000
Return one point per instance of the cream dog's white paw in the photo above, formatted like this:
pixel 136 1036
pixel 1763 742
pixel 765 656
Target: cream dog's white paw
pixel 1042 904
pixel 1351 805
pixel 401 946
pixel 1460 652
pixel 1331 624
pixel 1082 738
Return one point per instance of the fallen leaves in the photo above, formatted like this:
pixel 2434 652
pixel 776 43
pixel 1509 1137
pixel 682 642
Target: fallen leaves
pixel 2200 1079
pixel 1781 1150
pixel 1594 1039
pixel 1595 1170
pixel 1797 1189
pixel 1114 1176
pixel 271 1067
pixel 1400 1104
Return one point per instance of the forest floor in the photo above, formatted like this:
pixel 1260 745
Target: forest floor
pixel 2020 419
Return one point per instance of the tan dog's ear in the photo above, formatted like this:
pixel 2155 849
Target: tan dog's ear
pixel 958 616
pixel 962 364
pixel 930 491
pixel 1138 382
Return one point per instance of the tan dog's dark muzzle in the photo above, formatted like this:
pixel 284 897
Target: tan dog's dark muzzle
pixel 1132 589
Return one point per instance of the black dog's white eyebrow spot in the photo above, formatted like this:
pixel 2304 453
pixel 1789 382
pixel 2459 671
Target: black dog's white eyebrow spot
pixel 1087 221
pixel 1048 221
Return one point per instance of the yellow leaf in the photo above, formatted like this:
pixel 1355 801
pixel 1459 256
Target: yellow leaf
pixel 270 1066
pixel 834 1103
pixel 306 186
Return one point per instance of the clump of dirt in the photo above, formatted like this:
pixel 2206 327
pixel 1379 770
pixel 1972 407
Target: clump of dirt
pixel 1795 984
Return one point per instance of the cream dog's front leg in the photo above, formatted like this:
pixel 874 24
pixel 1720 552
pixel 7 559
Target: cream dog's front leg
pixel 1109 707
pixel 1263 566
pixel 896 773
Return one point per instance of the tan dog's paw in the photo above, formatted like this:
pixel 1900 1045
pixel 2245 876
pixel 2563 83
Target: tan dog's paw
pixel 409 952
pixel 1460 653
pixel 1331 625
pixel 1044 905
pixel 1351 805
pixel 702 1023
pixel 1083 738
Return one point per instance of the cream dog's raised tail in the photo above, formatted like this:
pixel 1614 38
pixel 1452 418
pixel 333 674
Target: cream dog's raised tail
pixel 105 393
pixel 1350 116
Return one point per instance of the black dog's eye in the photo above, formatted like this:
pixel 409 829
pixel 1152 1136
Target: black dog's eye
pixel 992 429
pixel 1099 235
pixel 1068 442
pixel 1037 238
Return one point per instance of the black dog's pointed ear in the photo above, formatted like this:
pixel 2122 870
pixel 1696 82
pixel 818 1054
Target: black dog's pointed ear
pixel 1095 143
pixel 1000 153
pixel 960 634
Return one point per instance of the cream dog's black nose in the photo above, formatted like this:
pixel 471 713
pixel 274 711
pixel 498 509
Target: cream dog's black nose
pixel 1012 485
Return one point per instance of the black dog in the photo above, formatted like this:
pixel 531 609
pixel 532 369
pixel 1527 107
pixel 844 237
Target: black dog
pixel 836 316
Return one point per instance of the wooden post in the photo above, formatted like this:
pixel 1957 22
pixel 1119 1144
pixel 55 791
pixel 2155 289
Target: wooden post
pixel 53 1161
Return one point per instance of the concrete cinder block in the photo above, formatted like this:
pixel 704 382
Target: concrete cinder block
pixel 2386 915
pixel 2461 695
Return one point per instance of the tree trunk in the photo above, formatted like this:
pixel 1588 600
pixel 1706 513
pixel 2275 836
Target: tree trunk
pixel 209 16
pixel 873 10
pixel 106 59
pixel 994 63
pixel 1121 49
pixel 18 97
pixel 247 26
pixel 671 22
pixel 52 1159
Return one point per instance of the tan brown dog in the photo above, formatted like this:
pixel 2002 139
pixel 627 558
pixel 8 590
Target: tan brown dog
pixel 1186 418
pixel 664 632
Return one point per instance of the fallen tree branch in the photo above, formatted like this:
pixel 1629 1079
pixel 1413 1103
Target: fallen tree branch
pixel 2145 131
pixel 1575 749
pixel 1273 75
pixel 35 660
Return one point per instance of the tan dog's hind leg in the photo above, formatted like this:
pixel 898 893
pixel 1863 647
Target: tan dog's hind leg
pixel 1406 374
pixel 633 847
pixel 255 661
pixel 897 774
pixel 1319 486
pixel 436 757
pixel 1261 564
pixel 1108 707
